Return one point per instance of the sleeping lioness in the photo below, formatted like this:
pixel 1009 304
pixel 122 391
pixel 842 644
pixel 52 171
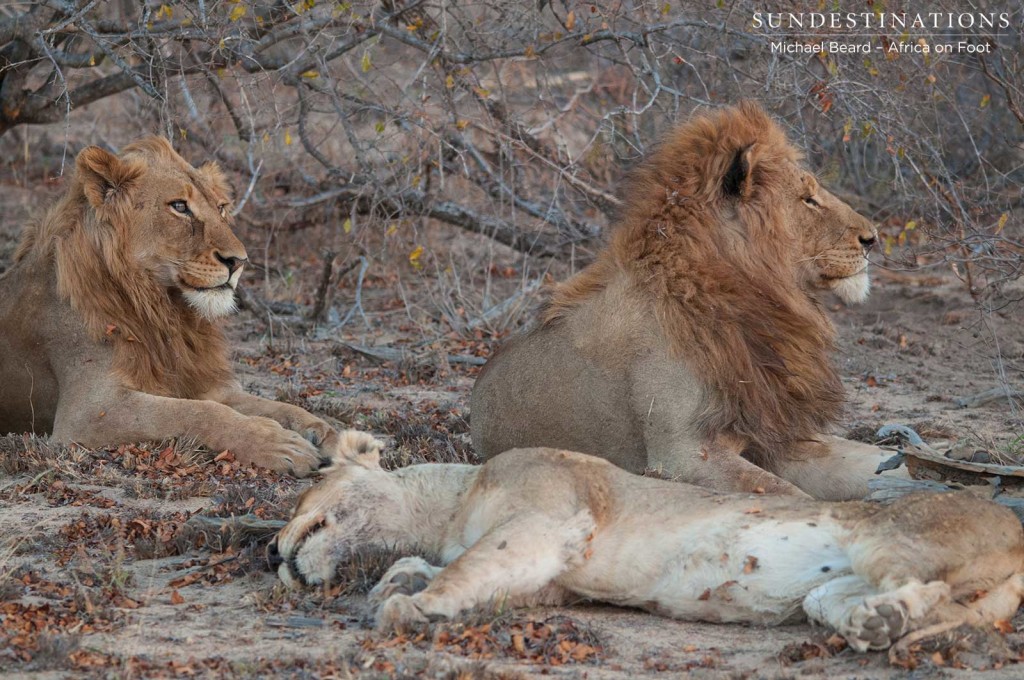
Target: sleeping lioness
pixel 546 526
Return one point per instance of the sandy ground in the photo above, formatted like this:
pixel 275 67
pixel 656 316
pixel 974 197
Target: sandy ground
pixel 103 573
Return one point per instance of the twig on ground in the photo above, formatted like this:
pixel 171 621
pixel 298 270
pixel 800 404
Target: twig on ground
pixel 988 396
pixel 399 355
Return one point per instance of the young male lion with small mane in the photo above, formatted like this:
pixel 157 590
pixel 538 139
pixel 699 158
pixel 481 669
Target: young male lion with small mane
pixel 112 317
pixel 536 526
pixel 695 344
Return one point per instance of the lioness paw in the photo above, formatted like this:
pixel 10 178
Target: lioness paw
pixel 399 613
pixel 407 576
pixel 876 625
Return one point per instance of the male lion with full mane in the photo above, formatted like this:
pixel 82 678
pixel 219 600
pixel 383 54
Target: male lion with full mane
pixel 535 526
pixel 112 315
pixel 694 344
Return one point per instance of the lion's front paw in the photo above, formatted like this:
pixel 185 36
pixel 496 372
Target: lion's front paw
pixel 313 429
pixel 876 624
pixel 407 576
pixel 399 613
pixel 265 443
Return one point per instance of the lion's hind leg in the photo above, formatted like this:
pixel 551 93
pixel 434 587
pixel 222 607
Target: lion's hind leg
pixel 997 604
pixel 870 619
pixel 515 563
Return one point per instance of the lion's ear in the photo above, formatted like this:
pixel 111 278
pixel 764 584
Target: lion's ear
pixel 738 180
pixel 106 178
pixel 354 448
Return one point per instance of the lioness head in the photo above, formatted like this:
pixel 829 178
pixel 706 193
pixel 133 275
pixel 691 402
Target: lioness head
pixel 831 238
pixel 352 497
pixel 173 219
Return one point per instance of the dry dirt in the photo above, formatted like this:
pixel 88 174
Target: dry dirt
pixel 102 573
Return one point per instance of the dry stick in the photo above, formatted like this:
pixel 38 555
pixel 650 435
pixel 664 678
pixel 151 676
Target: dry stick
pixel 503 307
pixel 325 288
pixel 248 192
pixel 994 394
pixel 244 131
pixel 399 355
pixel 252 302
pixel 1011 103
pixel 364 264
pixel 244 526
pixel 320 302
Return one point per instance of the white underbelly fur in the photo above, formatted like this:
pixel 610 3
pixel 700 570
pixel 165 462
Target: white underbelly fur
pixel 754 572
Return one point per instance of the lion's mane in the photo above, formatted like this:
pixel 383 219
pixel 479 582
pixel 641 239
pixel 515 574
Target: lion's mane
pixel 160 347
pixel 723 275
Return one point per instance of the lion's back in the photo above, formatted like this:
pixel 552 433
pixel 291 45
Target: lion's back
pixel 539 390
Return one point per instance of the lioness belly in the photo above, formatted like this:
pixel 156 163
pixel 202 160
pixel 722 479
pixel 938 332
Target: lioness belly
pixel 723 567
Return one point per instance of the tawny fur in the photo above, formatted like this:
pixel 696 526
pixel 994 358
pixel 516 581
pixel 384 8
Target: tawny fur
pixel 721 246
pixel 112 316
pixel 99 275
pixel 735 308
pixel 545 526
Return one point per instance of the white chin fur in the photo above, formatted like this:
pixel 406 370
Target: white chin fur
pixel 211 304
pixel 853 289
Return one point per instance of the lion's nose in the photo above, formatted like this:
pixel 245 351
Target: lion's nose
pixel 274 559
pixel 232 263
pixel 867 242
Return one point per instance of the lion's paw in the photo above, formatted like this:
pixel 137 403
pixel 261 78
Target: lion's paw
pixel 407 576
pixel 876 623
pixel 316 432
pixel 266 443
pixel 399 613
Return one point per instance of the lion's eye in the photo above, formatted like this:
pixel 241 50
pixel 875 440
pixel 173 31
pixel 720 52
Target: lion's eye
pixel 223 209
pixel 181 207
pixel 809 200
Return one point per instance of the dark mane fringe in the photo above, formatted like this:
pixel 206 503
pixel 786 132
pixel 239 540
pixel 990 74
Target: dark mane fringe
pixel 160 346
pixel 724 281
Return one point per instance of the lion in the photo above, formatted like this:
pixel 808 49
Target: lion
pixel 695 344
pixel 113 312
pixel 544 526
